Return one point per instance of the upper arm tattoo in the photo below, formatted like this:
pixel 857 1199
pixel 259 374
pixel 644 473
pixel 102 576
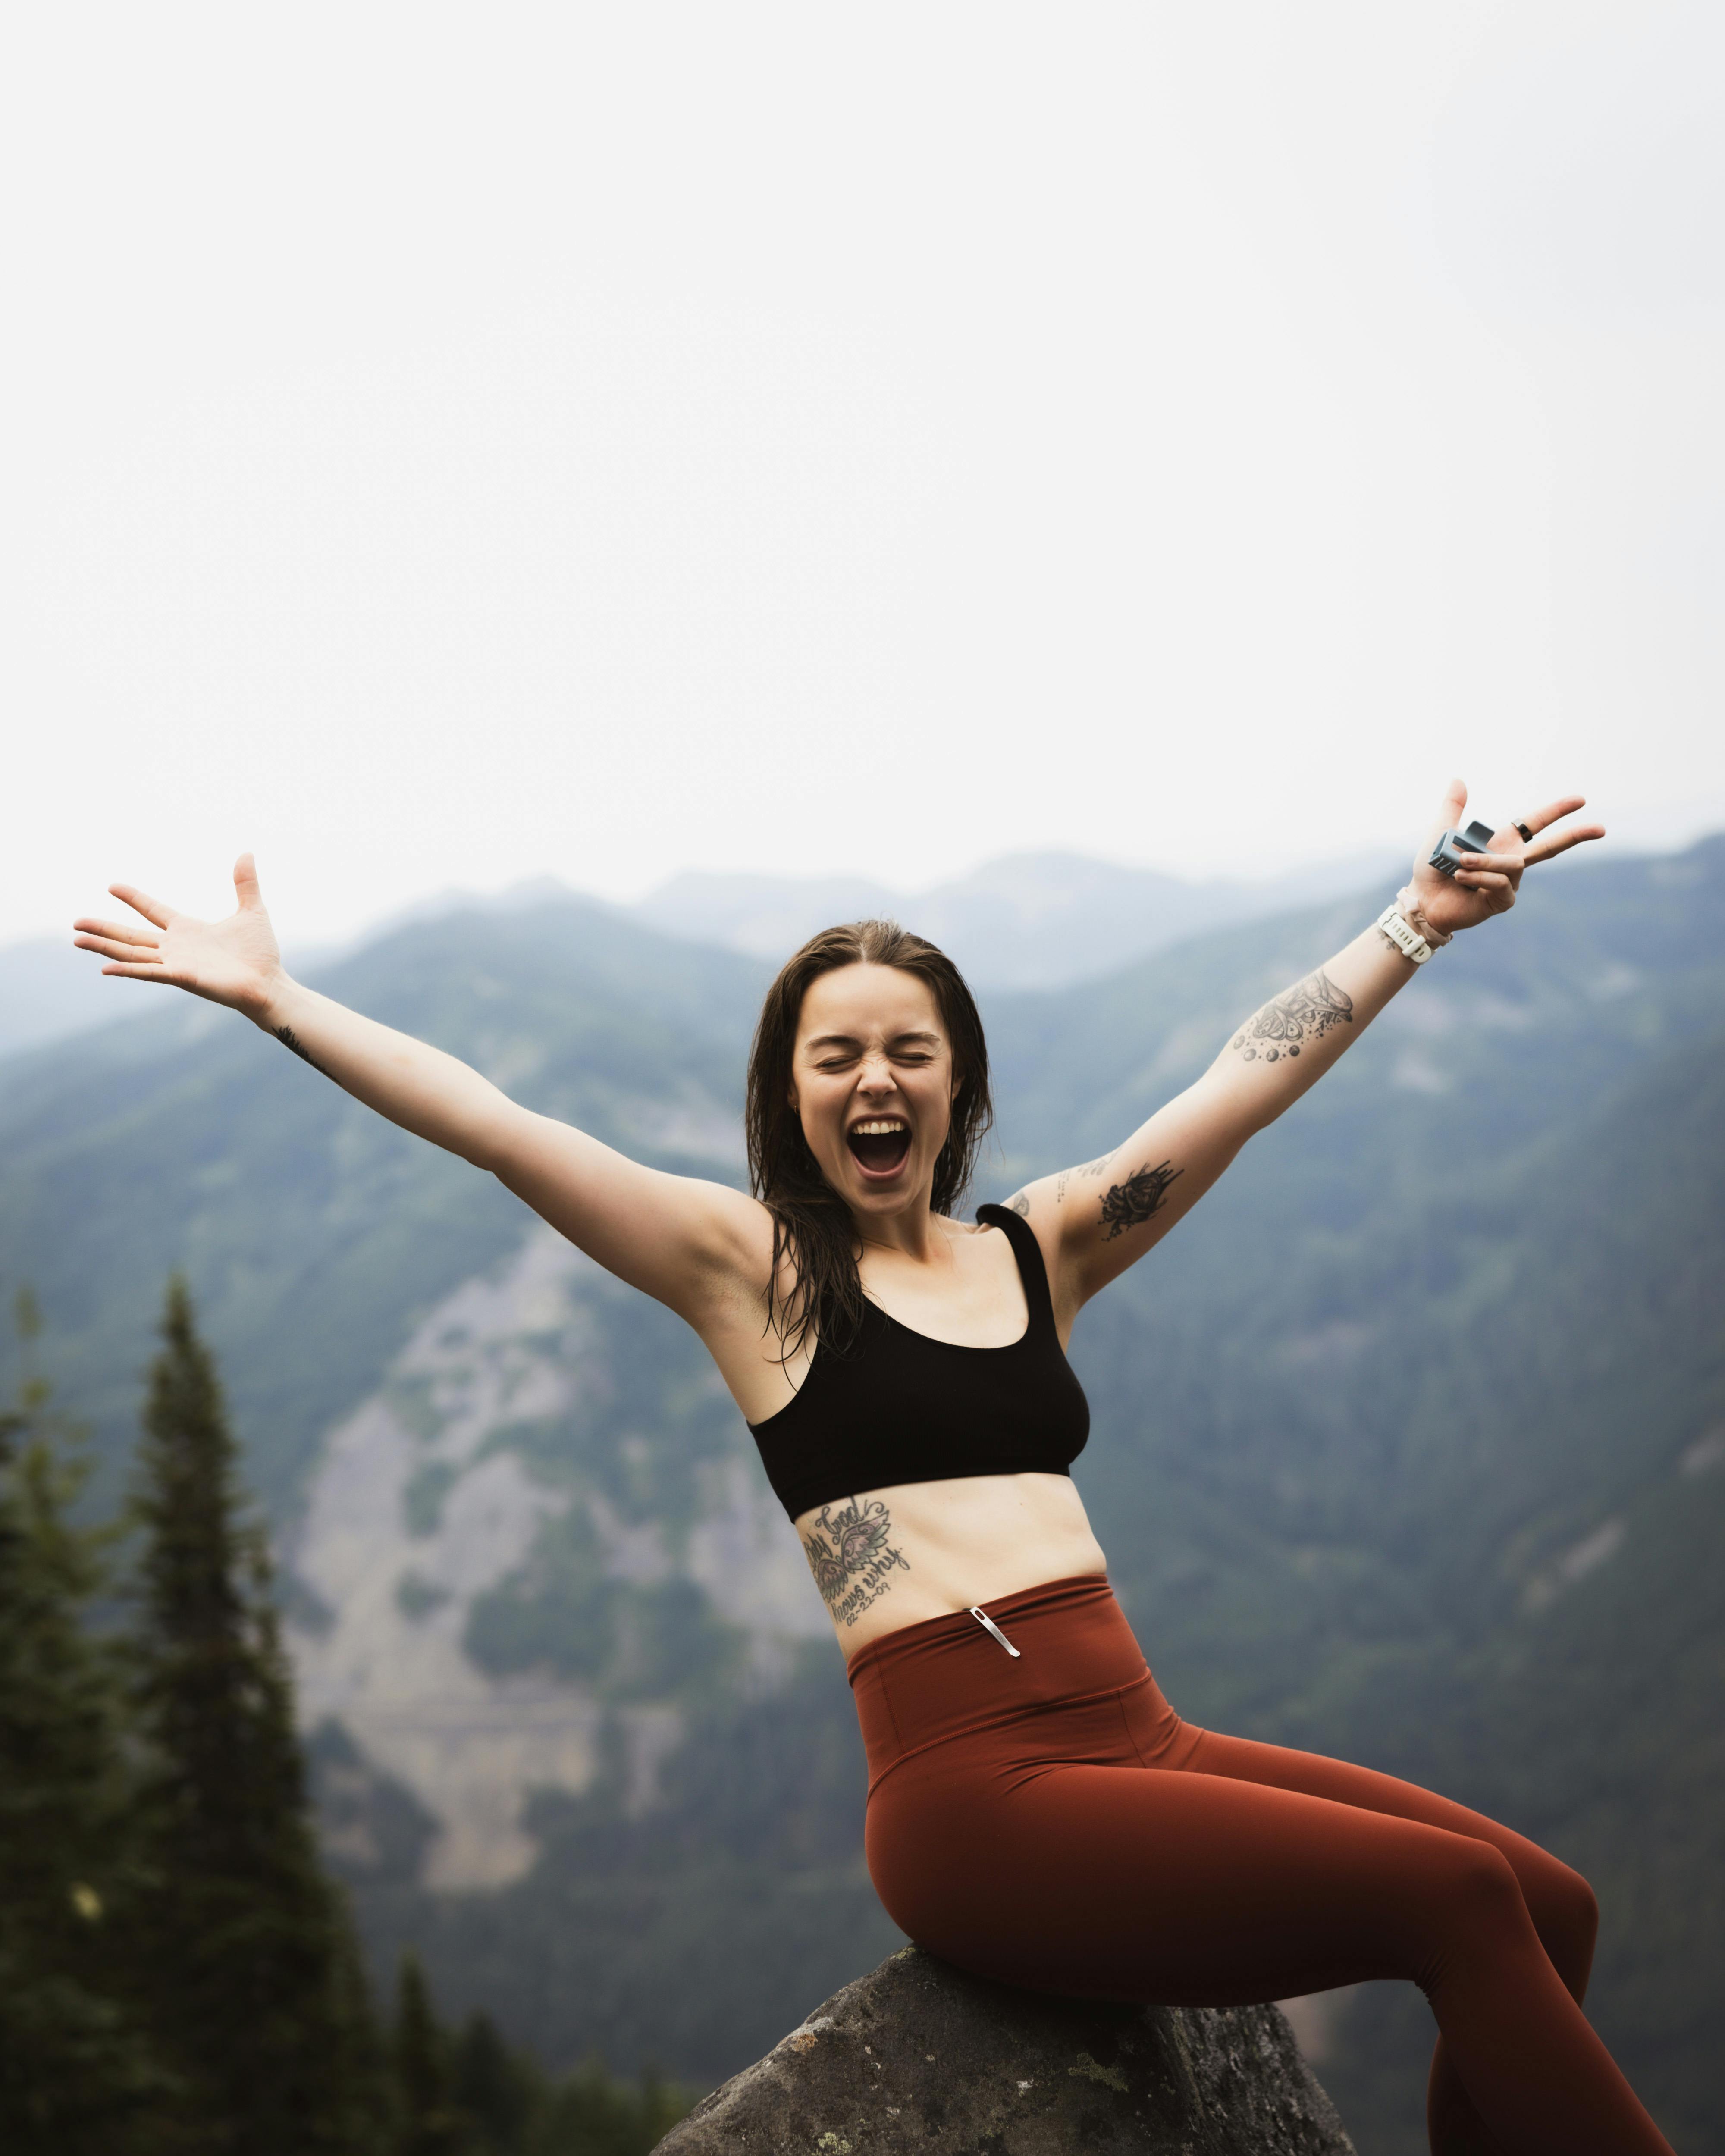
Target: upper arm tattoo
pixel 1020 1204
pixel 1303 1013
pixel 1130 1203
pixel 288 1039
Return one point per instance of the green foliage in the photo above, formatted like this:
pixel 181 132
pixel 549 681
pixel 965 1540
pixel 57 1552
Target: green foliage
pixel 256 1992
pixel 76 2071
pixel 471 2094
pixel 592 2115
pixel 630 1641
pixel 430 2124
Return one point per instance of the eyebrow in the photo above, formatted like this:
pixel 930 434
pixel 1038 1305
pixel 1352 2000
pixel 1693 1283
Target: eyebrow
pixel 851 1040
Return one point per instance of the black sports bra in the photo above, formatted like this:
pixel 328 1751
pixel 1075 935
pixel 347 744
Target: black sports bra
pixel 897 1407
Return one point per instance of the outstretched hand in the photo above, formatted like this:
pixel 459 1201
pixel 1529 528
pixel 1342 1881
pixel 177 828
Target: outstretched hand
pixel 1487 883
pixel 235 962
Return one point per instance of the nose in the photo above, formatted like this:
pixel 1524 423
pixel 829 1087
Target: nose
pixel 875 1076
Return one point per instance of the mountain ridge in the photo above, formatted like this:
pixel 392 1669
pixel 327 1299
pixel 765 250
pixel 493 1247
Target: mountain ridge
pixel 1025 920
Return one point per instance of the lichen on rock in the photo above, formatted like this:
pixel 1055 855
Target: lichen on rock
pixel 918 2056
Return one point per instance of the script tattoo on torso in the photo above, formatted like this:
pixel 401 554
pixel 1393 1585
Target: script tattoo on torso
pixel 1130 1203
pixel 852 1556
pixel 1304 1013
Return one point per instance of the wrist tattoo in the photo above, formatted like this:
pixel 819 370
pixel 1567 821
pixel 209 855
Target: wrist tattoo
pixel 288 1039
pixel 1301 1013
pixel 1130 1203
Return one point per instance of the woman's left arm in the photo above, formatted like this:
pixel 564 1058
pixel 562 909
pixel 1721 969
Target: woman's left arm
pixel 1096 1220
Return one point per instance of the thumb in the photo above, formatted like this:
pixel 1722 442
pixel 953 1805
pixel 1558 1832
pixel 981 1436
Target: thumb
pixel 246 887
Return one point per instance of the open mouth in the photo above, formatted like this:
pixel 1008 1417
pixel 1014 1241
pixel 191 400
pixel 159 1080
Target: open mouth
pixel 881 1146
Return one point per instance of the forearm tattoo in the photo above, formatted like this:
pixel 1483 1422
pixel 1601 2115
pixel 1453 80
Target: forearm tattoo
pixel 288 1039
pixel 1302 1014
pixel 1130 1203
pixel 852 1556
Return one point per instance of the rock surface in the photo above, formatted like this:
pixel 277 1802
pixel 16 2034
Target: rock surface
pixel 919 2056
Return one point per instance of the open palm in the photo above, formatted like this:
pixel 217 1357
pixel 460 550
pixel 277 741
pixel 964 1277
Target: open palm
pixel 236 962
pixel 1475 894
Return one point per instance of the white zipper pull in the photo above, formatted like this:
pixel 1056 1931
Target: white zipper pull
pixel 995 1633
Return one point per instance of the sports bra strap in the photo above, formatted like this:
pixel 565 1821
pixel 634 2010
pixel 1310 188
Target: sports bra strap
pixel 1033 1271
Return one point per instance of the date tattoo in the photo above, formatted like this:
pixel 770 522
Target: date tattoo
pixel 1305 1011
pixel 852 1555
pixel 1130 1203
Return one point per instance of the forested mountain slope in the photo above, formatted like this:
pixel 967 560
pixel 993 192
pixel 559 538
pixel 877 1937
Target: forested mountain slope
pixel 1405 1445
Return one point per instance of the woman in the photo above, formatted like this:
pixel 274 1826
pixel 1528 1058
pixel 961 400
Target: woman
pixel 1037 1811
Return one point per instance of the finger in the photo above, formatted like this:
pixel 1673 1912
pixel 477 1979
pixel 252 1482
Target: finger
pixel 1560 842
pixel 140 901
pixel 246 887
pixel 1450 815
pixel 1483 880
pixel 145 974
pixel 111 947
pixel 1553 809
pixel 121 932
pixel 1511 861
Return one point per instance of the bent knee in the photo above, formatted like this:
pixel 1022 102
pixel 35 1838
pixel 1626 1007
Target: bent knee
pixel 1569 1920
pixel 1479 1885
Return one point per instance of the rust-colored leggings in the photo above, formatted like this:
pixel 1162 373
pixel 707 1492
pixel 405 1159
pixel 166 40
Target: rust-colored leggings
pixel 1052 1822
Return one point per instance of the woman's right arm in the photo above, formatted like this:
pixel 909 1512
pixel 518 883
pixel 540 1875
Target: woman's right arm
pixel 688 1243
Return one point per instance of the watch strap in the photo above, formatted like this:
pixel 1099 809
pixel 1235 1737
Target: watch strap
pixel 1406 938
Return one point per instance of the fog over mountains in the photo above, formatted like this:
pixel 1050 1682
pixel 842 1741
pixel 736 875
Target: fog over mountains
pixel 1410 1445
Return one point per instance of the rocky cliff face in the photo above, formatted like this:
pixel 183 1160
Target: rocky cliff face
pixel 526 1444
pixel 918 2056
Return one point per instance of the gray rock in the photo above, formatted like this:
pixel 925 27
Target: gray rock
pixel 919 2056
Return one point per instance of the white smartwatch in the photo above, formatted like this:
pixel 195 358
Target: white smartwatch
pixel 1406 938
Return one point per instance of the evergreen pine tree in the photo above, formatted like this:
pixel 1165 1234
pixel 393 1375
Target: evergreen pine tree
pixel 76 2073
pixel 496 2087
pixel 430 2122
pixel 260 2000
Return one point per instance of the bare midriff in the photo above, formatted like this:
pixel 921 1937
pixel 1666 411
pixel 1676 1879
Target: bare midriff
pixel 895 1557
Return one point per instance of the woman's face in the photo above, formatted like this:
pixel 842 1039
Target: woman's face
pixel 872 1081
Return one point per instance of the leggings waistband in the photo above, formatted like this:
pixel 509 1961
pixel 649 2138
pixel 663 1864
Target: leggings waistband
pixel 930 1682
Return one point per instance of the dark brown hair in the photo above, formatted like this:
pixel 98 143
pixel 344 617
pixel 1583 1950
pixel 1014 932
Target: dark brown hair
pixel 812 1224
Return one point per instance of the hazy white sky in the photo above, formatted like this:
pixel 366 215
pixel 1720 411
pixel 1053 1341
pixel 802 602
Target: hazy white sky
pixel 445 445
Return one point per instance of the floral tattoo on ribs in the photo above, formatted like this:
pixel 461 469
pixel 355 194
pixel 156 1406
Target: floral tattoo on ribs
pixel 1304 1013
pixel 852 1556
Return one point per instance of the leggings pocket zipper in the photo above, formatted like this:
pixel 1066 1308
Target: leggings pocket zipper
pixel 995 1633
